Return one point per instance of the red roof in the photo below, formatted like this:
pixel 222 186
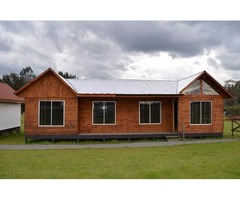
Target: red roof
pixel 7 94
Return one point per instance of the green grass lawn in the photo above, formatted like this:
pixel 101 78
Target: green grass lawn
pixel 228 132
pixel 217 160
pixel 14 138
pixel 199 161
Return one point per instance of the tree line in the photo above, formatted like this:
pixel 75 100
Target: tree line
pixel 16 81
pixel 232 106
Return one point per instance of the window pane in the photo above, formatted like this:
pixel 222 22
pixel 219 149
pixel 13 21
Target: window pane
pixel 195 113
pixel 206 113
pixel 45 113
pixel 155 112
pixel 57 113
pixel 207 89
pixel 109 112
pixel 144 113
pixel 98 109
pixel 194 88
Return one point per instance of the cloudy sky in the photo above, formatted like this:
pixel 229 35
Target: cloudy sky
pixel 122 49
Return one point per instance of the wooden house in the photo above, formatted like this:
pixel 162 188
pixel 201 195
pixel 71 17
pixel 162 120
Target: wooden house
pixel 58 108
pixel 10 109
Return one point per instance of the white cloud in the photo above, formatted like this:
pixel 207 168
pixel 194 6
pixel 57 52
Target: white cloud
pixel 163 66
pixel 140 50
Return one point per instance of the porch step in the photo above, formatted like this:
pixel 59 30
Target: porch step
pixel 172 137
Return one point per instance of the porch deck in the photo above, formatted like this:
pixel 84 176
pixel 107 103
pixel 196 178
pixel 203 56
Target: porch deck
pixel 129 136
pixel 101 136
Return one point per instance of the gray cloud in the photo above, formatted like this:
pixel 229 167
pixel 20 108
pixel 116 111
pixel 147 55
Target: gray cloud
pixel 179 38
pixel 230 60
pixel 103 49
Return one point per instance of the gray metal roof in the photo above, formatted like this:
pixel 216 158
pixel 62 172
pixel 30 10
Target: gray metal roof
pixel 129 86
pixel 123 87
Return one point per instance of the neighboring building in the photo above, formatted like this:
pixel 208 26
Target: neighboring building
pixel 58 108
pixel 10 109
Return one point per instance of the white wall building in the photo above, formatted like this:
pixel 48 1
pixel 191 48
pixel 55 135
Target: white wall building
pixel 10 109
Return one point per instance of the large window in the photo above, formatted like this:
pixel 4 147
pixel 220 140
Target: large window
pixel 150 112
pixel 200 86
pixel 201 112
pixel 104 112
pixel 51 113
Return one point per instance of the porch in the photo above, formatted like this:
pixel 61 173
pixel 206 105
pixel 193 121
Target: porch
pixel 102 136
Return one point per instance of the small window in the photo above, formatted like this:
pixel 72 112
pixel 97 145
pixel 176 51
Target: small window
pixel 104 112
pixel 150 112
pixel 201 112
pixel 51 113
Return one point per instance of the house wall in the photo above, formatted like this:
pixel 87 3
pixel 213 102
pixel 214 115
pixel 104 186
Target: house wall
pixel 49 87
pixel 31 118
pixel 127 116
pixel 10 115
pixel 217 114
pixel 78 111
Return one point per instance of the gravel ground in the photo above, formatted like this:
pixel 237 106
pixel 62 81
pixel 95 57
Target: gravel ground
pixel 118 145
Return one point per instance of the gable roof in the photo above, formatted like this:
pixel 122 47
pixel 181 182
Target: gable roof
pixel 184 83
pixel 49 70
pixel 7 94
pixel 132 87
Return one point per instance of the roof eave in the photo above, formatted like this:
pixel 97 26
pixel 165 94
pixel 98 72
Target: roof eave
pixel 12 101
pixel 218 86
pixel 39 76
pixel 129 95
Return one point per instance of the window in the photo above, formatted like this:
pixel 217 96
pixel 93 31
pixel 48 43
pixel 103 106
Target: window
pixel 51 113
pixel 201 112
pixel 207 89
pixel 150 112
pixel 194 88
pixel 200 86
pixel 104 112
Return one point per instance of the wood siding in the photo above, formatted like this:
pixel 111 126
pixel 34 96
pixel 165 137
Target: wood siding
pixel 31 118
pixel 78 111
pixel 49 87
pixel 217 114
pixel 127 116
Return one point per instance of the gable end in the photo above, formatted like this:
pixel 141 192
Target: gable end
pixel 47 84
pixel 215 85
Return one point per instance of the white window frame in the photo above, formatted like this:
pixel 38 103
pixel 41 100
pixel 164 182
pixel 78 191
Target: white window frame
pixel 104 124
pixel 51 113
pixel 150 113
pixel 200 113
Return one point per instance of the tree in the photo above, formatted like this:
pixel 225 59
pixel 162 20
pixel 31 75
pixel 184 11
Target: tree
pixel 12 80
pixel 27 74
pixel 17 81
pixel 67 75
pixel 232 106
